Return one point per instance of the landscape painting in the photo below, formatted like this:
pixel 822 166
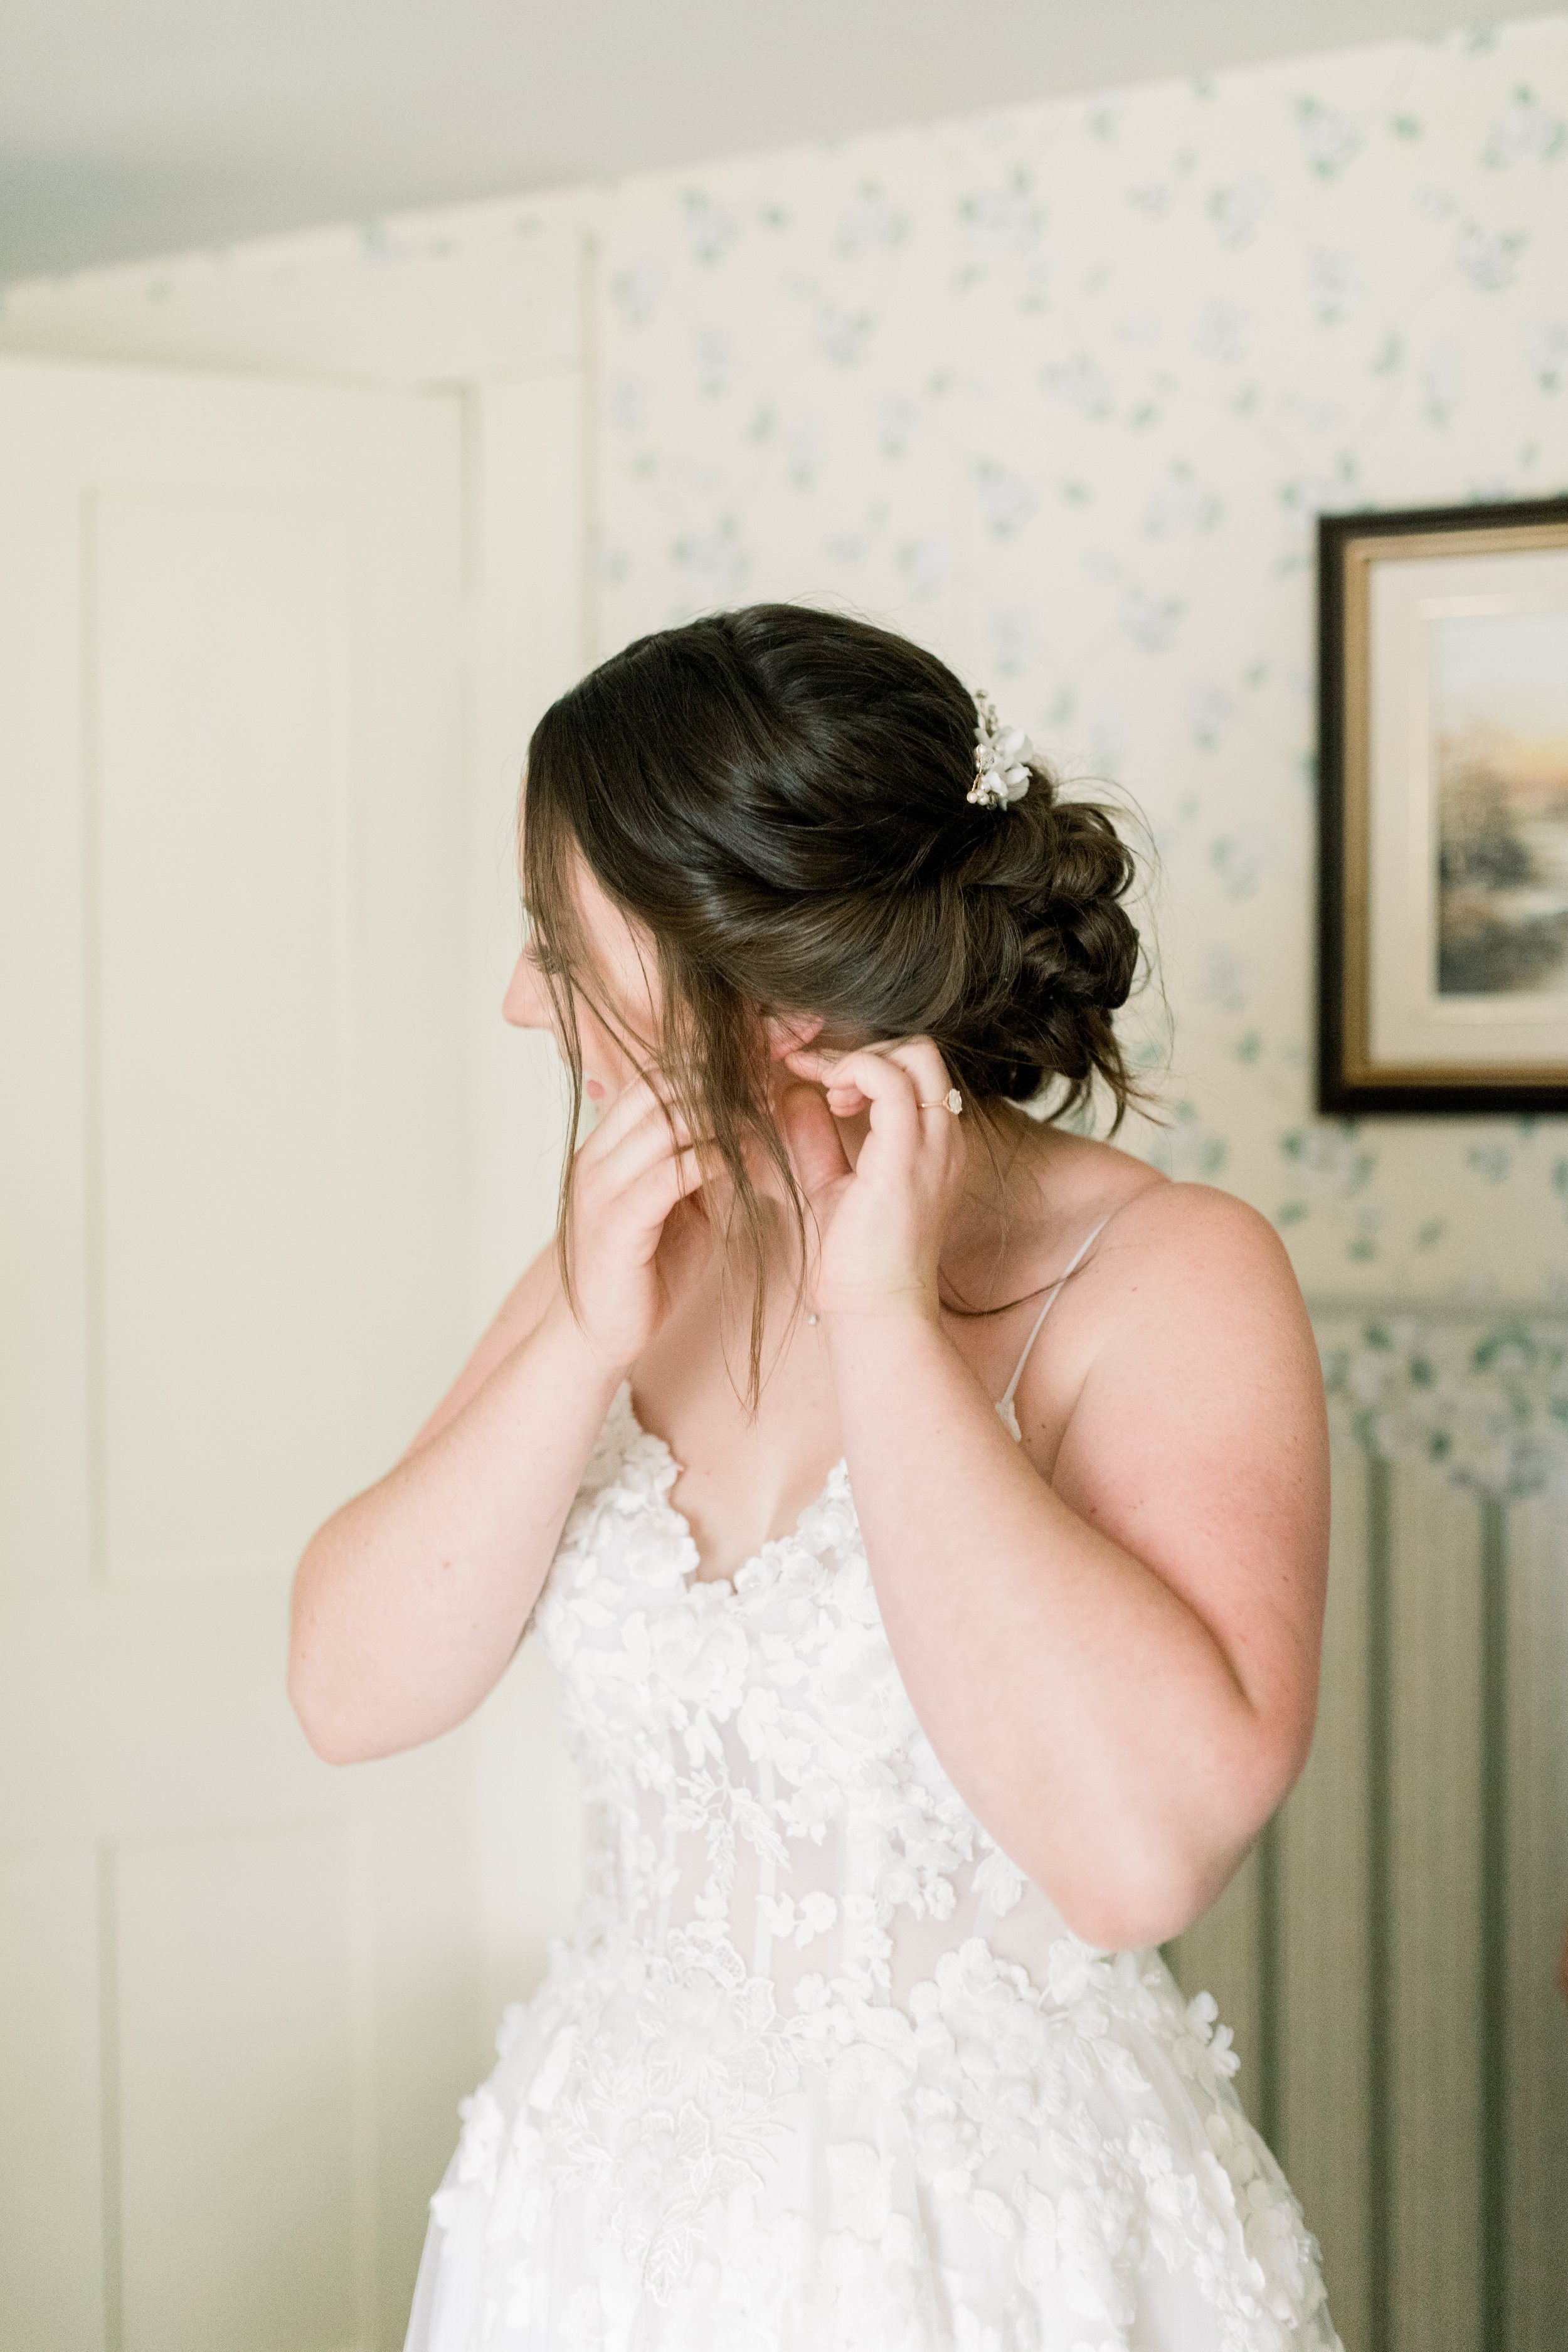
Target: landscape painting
pixel 1499 736
pixel 1443 810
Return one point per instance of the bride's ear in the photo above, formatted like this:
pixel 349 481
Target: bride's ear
pixel 789 1034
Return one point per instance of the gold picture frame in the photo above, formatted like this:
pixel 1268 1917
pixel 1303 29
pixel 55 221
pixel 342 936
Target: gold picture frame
pixel 1443 779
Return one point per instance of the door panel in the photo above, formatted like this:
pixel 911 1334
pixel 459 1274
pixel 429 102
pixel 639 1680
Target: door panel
pixel 222 841
pixel 51 2113
pixel 241 1991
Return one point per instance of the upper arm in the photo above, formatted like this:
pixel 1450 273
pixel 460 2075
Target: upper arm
pixel 1198 1438
pixel 521 1312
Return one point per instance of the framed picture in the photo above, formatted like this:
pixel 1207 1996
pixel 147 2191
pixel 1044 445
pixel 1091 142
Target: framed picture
pixel 1442 775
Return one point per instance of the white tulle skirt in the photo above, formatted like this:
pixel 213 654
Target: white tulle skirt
pixel 659 2163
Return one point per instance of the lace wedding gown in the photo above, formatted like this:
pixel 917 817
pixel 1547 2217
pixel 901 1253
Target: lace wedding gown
pixel 818 2069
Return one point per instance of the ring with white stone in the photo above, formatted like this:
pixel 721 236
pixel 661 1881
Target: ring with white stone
pixel 953 1100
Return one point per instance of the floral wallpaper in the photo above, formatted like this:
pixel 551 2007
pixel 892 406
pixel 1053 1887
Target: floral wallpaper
pixel 1061 391
pixel 1487 1405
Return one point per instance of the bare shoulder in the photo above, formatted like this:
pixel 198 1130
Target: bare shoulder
pixel 1184 1287
pixel 1197 1271
pixel 1190 1319
pixel 1189 1424
pixel 1145 1223
pixel 1193 1231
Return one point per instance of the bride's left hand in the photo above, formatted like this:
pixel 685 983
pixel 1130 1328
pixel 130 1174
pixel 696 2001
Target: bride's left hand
pixel 879 1221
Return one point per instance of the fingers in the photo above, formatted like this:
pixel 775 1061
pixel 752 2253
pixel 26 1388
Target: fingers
pixel 653 1143
pixel 870 1076
pixel 860 1076
pixel 641 1133
pixel 667 1181
pixel 642 1122
pixel 635 1099
pixel 827 1069
pixel 922 1061
pixel 816 1069
pixel 840 1073
pixel 844 1101
pixel 627 1197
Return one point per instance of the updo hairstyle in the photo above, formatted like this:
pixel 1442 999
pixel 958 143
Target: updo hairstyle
pixel 778 794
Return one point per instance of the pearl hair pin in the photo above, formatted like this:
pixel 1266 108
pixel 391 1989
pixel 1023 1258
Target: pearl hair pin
pixel 1000 757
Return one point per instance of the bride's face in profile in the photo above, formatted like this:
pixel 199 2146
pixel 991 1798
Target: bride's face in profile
pixel 625 971
pixel 628 976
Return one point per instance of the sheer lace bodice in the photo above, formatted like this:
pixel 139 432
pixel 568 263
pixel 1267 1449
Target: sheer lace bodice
pixel 818 2067
pixel 756 1771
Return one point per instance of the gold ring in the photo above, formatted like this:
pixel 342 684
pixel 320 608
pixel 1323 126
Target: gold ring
pixel 953 1100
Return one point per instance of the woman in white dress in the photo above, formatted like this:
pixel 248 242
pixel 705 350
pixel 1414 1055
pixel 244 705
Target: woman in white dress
pixel 923 1680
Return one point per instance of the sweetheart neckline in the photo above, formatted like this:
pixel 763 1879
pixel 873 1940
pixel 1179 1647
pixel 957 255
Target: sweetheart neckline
pixel 694 1577
pixel 730 1584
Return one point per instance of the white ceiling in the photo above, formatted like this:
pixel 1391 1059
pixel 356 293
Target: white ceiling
pixel 132 127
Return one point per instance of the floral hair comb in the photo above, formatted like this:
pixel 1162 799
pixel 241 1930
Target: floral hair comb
pixel 1001 756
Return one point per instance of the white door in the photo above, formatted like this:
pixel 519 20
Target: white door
pixel 239 1991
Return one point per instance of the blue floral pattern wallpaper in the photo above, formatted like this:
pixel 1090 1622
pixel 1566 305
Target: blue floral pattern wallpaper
pixel 1061 392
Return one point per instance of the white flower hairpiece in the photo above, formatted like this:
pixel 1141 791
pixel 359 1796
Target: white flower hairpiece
pixel 1001 756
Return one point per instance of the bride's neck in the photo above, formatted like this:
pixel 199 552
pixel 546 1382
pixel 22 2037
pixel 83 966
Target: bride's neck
pixel 988 1207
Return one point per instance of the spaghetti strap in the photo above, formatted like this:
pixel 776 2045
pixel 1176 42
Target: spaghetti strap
pixel 1051 1298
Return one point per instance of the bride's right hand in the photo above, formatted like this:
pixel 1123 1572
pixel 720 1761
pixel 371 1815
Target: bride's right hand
pixel 629 1176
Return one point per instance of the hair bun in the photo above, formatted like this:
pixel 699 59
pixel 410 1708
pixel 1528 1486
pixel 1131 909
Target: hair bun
pixel 781 796
pixel 1054 952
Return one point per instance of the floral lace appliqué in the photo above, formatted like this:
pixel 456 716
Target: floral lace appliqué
pixel 819 2069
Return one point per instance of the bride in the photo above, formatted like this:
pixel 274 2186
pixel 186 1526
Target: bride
pixel 923 1679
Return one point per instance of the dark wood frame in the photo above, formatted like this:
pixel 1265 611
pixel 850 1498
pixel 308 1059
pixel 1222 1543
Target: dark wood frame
pixel 1348 1082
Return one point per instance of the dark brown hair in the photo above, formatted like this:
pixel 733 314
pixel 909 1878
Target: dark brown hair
pixel 778 795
